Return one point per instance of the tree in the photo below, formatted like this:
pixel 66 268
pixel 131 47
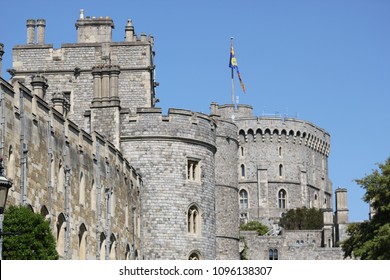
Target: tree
pixel 370 240
pixel 255 226
pixel 302 219
pixel 33 240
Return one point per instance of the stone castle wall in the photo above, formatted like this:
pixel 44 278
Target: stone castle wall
pixel 280 154
pixel 53 144
pixel 166 148
pixel 69 69
pixel 226 188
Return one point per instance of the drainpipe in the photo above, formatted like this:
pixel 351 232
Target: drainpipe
pixel 67 212
pixel 49 167
pixel 98 230
pixel 108 212
pixel 23 151
pixel 2 123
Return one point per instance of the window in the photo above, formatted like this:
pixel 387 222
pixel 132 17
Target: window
pixel 242 151
pixel 193 220
pixel 82 242
pixel 282 199
pixel 82 189
pixel 242 170
pixel 280 170
pixel 194 256
pixel 280 151
pixel 273 254
pixel 193 170
pixel 243 199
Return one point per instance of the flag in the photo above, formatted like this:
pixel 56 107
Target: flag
pixel 233 64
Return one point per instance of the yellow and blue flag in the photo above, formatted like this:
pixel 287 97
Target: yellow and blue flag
pixel 233 64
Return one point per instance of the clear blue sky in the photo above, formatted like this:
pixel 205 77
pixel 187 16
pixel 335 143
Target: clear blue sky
pixel 327 62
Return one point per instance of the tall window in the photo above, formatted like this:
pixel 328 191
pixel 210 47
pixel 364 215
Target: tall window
pixel 82 189
pixel 193 220
pixel 242 170
pixel 243 199
pixel 193 170
pixel 282 199
pixel 273 254
pixel 280 170
pixel 11 164
pixel 82 242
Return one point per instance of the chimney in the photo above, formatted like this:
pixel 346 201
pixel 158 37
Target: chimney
pixel 41 24
pixel 30 31
pixel 59 102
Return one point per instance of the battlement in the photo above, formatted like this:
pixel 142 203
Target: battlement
pixel 284 129
pixel 230 111
pixel 178 124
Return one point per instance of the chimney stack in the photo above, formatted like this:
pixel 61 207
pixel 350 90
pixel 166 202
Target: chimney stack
pixel 30 31
pixel 41 24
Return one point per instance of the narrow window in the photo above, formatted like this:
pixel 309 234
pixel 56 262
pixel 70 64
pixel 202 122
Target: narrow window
pixel 82 189
pixel 193 220
pixel 280 151
pixel 193 170
pixel 242 151
pixel 280 170
pixel 243 199
pixel 282 199
pixel 242 171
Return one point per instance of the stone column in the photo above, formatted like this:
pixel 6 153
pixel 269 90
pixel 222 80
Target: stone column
pixel 105 91
pixel 41 24
pixel 114 75
pixel 30 31
pixel 97 83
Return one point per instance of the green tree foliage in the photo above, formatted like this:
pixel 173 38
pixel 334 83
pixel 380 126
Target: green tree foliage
pixel 370 240
pixel 302 219
pixel 255 226
pixel 34 240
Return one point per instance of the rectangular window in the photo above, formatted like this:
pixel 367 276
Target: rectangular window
pixel 193 170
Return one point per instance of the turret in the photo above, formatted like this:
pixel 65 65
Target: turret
pixel 94 30
pixel 129 31
pixel 39 85
pixel 341 214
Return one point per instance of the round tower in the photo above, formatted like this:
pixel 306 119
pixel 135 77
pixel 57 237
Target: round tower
pixel 282 164
pixel 226 188
pixel 175 155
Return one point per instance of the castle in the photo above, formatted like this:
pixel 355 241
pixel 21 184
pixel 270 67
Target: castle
pixel 85 145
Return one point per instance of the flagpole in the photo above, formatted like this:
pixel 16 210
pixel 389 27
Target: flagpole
pixel 231 46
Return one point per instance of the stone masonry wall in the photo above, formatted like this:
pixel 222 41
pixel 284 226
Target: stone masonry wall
pixel 162 147
pixel 47 132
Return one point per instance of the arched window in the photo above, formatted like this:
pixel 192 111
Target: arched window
pixel 82 242
pixel 280 170
pixel 45 213
pixel 242 151
pixel 243 199
pixel 102 246
pixel 112 247
pixel 194 256
pixel 11 164
pixel 273 254
pixel 93 196
pixel 282 199
pixel 61 227
pixel 193 220
pixel 82 189
pixel 242 170
pixel 61 178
